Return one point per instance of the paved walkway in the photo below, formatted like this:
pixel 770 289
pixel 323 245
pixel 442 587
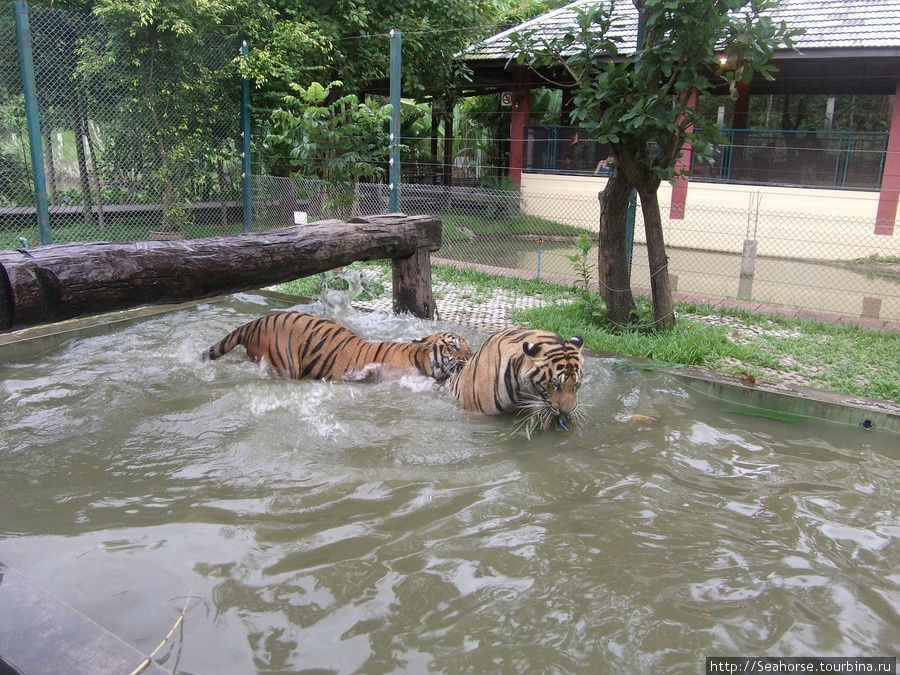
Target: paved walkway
pixel 464 305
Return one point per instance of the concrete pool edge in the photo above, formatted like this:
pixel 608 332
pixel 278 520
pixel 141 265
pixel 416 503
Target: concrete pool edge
pixel 793 401
pixel 39 633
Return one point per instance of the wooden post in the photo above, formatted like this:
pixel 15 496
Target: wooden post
pixel 63 281
pixel 412 278
pixel 412 285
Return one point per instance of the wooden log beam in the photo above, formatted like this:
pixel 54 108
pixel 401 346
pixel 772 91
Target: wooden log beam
pixel 63 281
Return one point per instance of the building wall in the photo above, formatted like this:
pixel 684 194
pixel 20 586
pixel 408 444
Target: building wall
pixel 802 223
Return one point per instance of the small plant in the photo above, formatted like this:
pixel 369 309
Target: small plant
pixel 594 307
pixel 176 218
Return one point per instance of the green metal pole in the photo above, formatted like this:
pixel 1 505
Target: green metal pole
pixel 394 177
pixel 23 32
pixel 245 142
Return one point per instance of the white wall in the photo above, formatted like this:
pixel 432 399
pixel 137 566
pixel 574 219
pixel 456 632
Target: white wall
pixel 803 223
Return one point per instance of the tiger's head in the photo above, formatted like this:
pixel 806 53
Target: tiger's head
pixel 441 355
pixel 552 369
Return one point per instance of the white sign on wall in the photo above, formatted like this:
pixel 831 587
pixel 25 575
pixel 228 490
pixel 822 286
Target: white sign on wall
pixel 506 98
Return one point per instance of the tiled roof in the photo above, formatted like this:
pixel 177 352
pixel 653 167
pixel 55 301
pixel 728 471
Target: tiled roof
pixel 829 24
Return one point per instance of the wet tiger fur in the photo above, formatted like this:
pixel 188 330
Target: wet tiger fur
pixel 520 369
pixel 304 346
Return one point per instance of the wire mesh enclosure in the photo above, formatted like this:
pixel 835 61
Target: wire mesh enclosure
pixel 131 153
pixel 817 262
pixel 128 153
pixel 808 158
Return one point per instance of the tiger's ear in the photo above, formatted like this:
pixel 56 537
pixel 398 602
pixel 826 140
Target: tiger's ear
pixel 577 340
pixel 419 340
pixel 532 349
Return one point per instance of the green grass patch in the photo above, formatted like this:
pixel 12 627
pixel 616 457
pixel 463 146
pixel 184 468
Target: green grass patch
pixel 307 287
pixel 116 229
pixel 521 224
pixel 485 284
pixel 689 343
pixel 373 286
pixel 838 357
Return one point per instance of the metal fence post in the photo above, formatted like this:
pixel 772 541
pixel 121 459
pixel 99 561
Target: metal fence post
pixel 245 141
pixel 23 33
pixel 394 179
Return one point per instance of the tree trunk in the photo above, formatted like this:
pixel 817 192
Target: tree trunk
pixel 613 270
pixel 436 107
pixel 77 117
pixel 412 285
pixel 448 145
pixel 51 166
pixel 663 307
pixel 82 162
pixel 86 123
pixel 223 211
pixel 63 281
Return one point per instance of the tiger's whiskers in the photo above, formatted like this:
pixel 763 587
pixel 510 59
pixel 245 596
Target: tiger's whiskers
pixel 534 414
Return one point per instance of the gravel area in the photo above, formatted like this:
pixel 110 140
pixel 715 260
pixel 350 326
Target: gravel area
pixel 468 306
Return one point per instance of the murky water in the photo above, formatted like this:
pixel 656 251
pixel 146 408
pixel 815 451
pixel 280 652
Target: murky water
pixel 371 527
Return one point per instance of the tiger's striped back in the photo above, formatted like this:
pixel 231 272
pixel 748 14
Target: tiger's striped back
pixel 304 346
pixel 520 368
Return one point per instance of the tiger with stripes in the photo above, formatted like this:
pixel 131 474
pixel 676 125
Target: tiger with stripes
pixel 535 372
pixel 300 346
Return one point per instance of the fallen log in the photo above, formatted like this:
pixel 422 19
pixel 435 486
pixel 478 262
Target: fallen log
pixel 64 281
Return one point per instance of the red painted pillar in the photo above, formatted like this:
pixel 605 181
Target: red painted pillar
pixel 682 169
pixel 517 121
pixel 890 179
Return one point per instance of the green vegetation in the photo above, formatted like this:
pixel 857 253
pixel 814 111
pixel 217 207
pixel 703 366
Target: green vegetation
pixel 641 107
pixel 885 266
pixel 456 224
pixel 311 286
pixel 689 343
pixel 485 284
pixel 839 357
pixel 120 229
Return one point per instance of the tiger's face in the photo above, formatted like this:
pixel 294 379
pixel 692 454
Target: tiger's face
pixel 446 354
pixel 554 371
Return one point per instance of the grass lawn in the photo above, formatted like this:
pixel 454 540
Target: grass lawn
pixel 118 229
pixel 456 224
pixel 838 357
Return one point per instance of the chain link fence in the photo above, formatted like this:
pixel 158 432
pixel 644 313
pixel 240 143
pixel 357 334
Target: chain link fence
pixel 129 152
pixel 817 262
pixel 808 158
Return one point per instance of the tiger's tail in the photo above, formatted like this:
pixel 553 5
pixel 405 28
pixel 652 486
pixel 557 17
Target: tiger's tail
pixel 226 344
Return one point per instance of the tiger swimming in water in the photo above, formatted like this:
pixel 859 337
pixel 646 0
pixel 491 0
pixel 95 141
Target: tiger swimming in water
pixel 520 369
pixel 304 346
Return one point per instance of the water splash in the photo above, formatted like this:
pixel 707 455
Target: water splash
pixel 338 302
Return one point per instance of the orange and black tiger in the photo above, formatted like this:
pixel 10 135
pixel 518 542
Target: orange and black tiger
pixel 520 369
pixel 304 346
